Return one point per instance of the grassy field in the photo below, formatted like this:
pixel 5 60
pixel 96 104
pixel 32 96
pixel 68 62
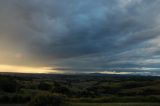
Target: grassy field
pixel 115 104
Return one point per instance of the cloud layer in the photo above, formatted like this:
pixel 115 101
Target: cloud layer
pixel 76 36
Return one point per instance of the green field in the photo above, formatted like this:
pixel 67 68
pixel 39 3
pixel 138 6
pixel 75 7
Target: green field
pixel 115 104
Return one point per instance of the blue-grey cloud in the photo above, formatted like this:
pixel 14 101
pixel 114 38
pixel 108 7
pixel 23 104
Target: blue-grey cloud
pixel 83 36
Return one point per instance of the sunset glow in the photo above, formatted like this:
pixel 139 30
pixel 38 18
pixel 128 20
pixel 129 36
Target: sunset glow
pixel 24 69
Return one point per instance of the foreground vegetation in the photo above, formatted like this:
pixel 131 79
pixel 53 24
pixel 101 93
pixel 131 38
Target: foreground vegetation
pixel 99 104
pixel 79 90
pixel 114 104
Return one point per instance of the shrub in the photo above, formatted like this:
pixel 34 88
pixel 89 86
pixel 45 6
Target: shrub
pixel 47 99
pixel 44 86
pixel 8 85
pixel 17 98
pixel 14 98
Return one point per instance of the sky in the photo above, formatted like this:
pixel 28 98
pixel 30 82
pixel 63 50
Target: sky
pixel 75 36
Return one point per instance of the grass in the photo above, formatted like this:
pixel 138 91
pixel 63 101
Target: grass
pixel 114 104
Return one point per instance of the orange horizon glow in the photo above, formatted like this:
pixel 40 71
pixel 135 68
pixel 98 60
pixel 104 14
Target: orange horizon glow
pixel 25 69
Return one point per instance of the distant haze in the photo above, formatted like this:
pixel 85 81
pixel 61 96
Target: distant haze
pixel 76 36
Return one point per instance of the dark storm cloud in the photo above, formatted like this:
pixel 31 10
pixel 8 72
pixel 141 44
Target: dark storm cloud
pixel 83 36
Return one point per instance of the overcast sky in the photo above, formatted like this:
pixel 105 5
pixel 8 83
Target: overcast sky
pixel 78 36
